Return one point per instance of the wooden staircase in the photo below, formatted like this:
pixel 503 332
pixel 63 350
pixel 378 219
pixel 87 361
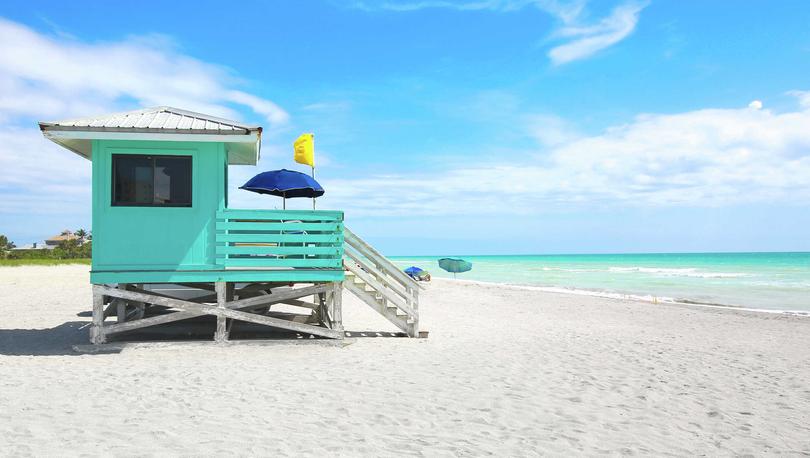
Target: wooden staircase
pixel 380 284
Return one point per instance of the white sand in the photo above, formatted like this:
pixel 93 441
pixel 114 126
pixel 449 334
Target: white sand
pixel 505 372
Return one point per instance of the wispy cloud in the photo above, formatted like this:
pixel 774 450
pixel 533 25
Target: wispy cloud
pixel 588 40
pixel 803 96
pixel 47 77
pixel 43 77
pixel 583 38
pixel 565 10
pixel 709 157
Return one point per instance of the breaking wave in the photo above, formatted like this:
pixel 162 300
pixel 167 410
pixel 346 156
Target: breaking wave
pixel 683 272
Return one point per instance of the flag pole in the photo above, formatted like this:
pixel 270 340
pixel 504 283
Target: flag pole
pixel 313 167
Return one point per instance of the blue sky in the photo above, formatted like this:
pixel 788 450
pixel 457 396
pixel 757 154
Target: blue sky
pixel 469 127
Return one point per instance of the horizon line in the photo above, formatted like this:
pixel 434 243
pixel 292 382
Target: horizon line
pixel 600 254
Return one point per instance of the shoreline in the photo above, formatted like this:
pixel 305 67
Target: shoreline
pixel 644 298
pixel 647 299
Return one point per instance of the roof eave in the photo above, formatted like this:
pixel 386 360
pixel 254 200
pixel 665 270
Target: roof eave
pixel 153 110
pixel 45 127
pixel 246 148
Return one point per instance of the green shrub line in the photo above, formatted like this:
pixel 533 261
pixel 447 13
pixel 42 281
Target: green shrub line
pixel 42 262
pixel 71 251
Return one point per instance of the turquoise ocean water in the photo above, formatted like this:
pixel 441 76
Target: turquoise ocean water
pixel 776 281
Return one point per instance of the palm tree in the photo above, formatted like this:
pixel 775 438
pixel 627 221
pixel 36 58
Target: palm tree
pixel 81 234
pixel 5 243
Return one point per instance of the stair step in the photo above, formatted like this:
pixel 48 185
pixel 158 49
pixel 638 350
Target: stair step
pixel 380 272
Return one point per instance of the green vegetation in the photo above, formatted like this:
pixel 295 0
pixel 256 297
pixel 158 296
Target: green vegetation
pixel 71 251
pixel 5 244
pixel 42 262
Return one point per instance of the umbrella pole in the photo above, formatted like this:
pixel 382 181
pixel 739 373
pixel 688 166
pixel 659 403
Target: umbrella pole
pixel 313 177
pixel 284 201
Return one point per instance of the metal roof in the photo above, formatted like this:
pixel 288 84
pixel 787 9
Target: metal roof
pixel 243 142
pixel 156 119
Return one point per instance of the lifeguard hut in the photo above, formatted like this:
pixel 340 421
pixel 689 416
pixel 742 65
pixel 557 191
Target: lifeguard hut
pixel 161 218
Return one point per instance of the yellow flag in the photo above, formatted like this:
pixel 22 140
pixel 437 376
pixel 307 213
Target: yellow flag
pixel 305 149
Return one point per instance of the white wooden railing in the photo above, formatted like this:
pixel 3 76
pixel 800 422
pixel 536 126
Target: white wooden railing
pixel 395 287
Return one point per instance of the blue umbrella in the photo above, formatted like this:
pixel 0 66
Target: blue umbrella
pixel 455 265
pixel 284 183
pixel 413 271
pixel 418 274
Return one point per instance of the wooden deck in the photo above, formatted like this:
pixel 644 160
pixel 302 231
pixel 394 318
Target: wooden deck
pixel 256 246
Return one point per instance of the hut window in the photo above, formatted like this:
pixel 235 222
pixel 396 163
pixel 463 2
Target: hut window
pixel 151 181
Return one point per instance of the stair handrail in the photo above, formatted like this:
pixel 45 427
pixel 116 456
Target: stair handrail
pixel 396 298
pixel 395 289
pixel 354 241
pixel 394 286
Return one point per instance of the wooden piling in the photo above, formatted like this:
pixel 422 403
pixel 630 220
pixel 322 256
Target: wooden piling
pixel 221 334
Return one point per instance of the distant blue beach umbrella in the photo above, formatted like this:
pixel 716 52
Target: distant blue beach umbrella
pixel 455 265
pixel 413 271
pixel 284 183
pixel 418 274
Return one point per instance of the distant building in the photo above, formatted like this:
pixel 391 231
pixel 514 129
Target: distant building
pixel 57 239
pixel 34 246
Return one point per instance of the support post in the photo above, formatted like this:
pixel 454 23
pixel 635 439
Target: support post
pixel 337 306
pixel 97 329
pixel 323 310
pixel 229 296
pixel 140 307
pixel 221 334
pixel 121 310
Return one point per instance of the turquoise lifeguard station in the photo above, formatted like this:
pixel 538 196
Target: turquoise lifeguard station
pixel 161 217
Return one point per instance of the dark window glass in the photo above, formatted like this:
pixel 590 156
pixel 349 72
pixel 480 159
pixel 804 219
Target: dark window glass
pixel 161 181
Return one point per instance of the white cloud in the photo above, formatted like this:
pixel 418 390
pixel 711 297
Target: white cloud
pixel 802 96
pixel 588 40
pixel 755 105
pixel 47 77
pixel 584 39
pixel 40 181
pixel 708 157
pixel 566 10
pixel 549 130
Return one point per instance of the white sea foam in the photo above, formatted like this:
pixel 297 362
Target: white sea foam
pixel 561 269
pixel 634 297
pixel 667 272
pixel 683 272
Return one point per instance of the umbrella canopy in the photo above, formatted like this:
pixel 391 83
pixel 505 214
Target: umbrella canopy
pixel 413 270
pixel 455 265
pixel 284 183
pixel 418 274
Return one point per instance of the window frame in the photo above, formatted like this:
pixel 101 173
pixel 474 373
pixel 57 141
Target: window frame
pixel 153 158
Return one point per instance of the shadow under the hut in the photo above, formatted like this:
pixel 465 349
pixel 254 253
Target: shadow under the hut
pixel 43 342
pixel 62 339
